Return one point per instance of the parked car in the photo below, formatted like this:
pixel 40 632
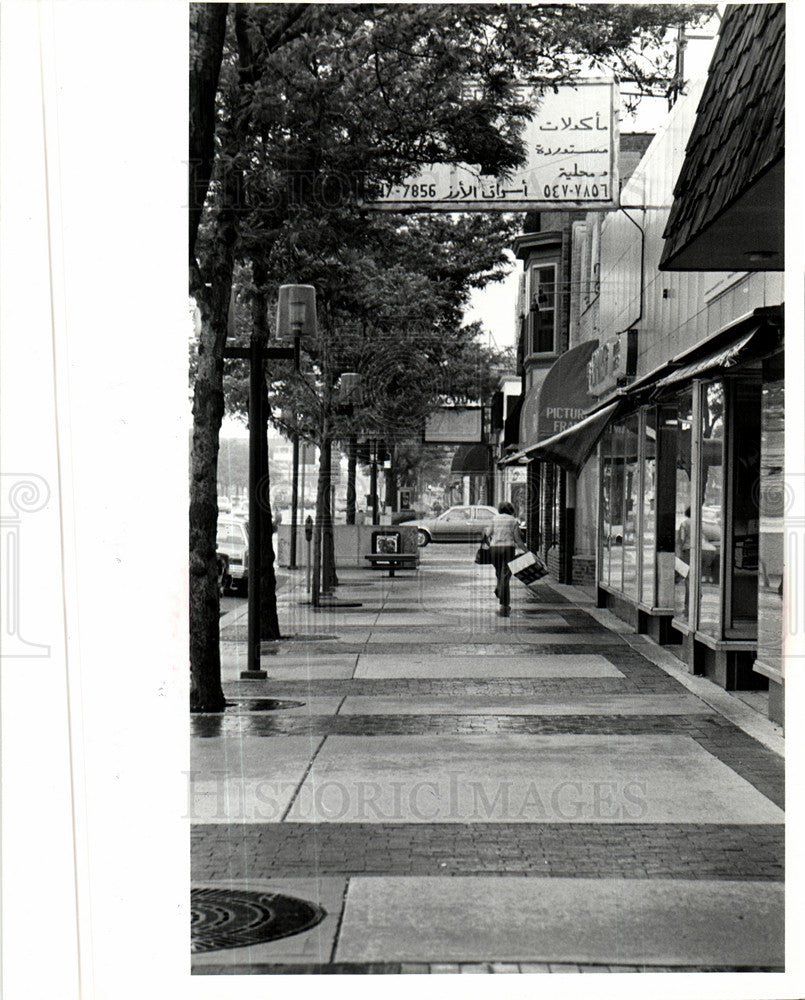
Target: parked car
pixel 233 542
pixel 456 524
pixel 406 516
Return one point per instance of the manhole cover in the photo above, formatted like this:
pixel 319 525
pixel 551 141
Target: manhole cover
pixel 225 918
pixel 266 705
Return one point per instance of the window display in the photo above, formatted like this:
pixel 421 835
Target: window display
pixel 683 426
pixel 648 534
pixel 631 497
pixel 771 510
pixel 711 505
pixel 743 552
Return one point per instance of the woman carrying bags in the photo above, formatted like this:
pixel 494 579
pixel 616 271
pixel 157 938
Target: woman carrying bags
pixel 505 538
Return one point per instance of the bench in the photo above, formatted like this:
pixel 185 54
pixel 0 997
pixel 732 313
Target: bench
pixel 393 560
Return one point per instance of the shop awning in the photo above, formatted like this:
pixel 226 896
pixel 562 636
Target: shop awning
pixel 727 357
pixel 471 460
pixel 571 448
pixel 563 396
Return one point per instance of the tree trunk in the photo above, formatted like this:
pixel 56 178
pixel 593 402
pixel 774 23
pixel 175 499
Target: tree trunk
pixel 207 31
pixel 391 481
pixel 269 621
pixel 206 693
pixel 328 574
pixel 352 468
pixel 317 530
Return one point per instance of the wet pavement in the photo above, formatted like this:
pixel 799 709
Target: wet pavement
pixel 443 790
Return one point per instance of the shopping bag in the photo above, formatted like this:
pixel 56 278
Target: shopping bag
pixel 483 557
pixel 528 568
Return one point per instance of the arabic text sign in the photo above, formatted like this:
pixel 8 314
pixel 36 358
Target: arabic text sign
pixel 572 145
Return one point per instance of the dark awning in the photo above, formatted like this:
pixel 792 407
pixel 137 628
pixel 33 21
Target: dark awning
pixel 472 460
pixel 571 448
pixel 511 429
pixel 563 396
pixel 727 357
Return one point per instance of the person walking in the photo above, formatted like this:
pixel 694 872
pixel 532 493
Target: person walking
pixel 504 537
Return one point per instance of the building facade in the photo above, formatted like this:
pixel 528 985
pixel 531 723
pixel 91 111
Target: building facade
pixel 674 473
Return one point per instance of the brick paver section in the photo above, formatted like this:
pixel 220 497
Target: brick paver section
pixel 566 850
pixel 448 968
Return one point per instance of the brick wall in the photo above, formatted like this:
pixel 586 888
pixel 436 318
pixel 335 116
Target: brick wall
pixel 553 561
pixel 583 571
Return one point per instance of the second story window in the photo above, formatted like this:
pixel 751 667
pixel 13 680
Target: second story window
pixel 542 309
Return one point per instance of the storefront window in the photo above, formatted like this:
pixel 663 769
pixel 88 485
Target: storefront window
pixel 649 512
pixel 743 553
pixel 682 516
pixel 665 517
pixel 772 505
pixel 606 498
pixel 543 308
pixel 615 525
pixel 631 496
pixel 711 505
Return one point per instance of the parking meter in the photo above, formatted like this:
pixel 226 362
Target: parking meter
pixel 308 539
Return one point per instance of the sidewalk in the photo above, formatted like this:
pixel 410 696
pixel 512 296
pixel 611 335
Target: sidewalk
pixel 422 786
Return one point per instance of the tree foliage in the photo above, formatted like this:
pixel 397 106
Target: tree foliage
pixel 293 109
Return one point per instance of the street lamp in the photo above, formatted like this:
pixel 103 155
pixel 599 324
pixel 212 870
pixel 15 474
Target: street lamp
pixel 296 319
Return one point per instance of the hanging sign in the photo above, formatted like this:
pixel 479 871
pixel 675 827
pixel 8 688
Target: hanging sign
pixel 613 361
pixel 571 144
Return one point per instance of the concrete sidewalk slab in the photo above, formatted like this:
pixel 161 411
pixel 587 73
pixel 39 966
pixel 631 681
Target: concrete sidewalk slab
pixel 517 778
pixel 329 668
pixel 247 779
pixel 627 922
pixel 651 704
pixel 478 665
pixel 288 666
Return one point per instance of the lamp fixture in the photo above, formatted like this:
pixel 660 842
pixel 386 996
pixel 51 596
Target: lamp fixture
pixel 296 312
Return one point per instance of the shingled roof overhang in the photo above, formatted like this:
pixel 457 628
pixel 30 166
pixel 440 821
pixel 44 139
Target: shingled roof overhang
pixel 728 210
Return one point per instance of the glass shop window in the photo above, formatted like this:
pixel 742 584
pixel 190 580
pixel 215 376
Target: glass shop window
pixel 711 504
pixel 606 497
pixel 772 506
pixel 631 498
pixel 615 526
pixel 665 517
pixel 649 507
pixel 683 423
pixel 743 553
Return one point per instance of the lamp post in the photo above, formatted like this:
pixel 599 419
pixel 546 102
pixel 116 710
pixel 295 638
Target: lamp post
pixel 294 495
pixel 296 318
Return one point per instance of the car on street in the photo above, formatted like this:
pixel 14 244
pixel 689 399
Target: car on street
pixel 456 524
pixel 233 542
